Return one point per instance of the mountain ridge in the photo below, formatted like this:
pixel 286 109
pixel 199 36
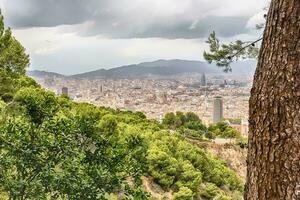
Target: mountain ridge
pixel 158 68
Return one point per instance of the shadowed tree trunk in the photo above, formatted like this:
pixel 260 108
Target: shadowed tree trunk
pixel 274 139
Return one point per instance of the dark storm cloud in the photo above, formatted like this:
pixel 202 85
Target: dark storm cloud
pixel 110 19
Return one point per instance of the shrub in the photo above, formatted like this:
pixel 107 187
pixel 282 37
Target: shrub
pixel 242 142
pixel 184 193
pixel 210 191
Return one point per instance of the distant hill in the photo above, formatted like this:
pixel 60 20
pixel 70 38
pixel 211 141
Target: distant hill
pixel 148 69
pixel 159 68
pixel 38 73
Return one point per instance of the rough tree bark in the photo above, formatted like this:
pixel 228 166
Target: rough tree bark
pixel 274 138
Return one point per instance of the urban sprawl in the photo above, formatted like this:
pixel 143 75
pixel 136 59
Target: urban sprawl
pixel 212 97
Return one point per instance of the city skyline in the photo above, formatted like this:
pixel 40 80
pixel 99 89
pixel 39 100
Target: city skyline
pixel 157 97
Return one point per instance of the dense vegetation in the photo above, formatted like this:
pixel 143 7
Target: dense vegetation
pixel 189 125
pixel 51 146
pixel 54 148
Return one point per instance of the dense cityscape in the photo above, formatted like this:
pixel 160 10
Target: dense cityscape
pixel 211 97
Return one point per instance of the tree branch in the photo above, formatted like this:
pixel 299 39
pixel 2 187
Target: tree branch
pixel 245 47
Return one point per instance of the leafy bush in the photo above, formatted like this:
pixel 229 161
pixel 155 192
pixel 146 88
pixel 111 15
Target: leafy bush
pixel 223 130
pixel 188 176
pixel 209 135
pixel 223 197
pixel 242 142
pixel 184 193
pixel 39 104
pixel 192 134
pixel 210 191
pixel 7 97
pixel 188 120
pixel 162 167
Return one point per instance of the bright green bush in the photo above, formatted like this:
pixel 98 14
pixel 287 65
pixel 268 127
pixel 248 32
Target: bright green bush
pixel 188 120
pixel 210 191
pixel 38 104
pixel 184 193
pixel 188 176
pixel 162 167
pixel 223 130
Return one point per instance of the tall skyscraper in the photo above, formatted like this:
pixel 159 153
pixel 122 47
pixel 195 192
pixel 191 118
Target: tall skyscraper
pixel 101 88
pixel 164 98
pixel 65 91
pixel 203 80
pixel 218 109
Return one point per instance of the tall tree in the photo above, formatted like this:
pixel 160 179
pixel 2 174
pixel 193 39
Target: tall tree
pixel 274 107
pixel 274 145
pixel 13 61
pixel 12 54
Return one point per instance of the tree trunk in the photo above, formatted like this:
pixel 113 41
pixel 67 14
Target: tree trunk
pixel 274 138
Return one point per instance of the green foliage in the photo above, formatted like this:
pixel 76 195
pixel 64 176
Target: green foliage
pixel 188 176
pixel 137 150
pixel 13 63
pixel 76 153
pixel 224 54
pixel 184 193
pixel 140 115
pixel 223 197
pixel 209 135
pixel 234 120
pixel 136 194
pixel 12 55
pixel 11 83
pixel 189 121
pixel 162 167
pixel 192 134
pixel 23 155
pixel 189 125
pixel 169 119
pixel 7 97
pixel 7 86
pixel 2 105
pixel 223 130
pixel 56 148
pixel 242 142
pixel 175 162
pixel 25 81
pixel 108 125
pixel 39 104
pixel 210 191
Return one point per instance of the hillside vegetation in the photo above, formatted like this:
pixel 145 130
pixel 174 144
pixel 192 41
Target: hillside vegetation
pixel 54 147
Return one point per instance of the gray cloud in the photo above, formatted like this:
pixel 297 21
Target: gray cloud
pixel 188 29
pixel 127 18
pixel 45 13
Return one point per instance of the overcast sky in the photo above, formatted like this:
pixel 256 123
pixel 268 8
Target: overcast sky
pixel 72 36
